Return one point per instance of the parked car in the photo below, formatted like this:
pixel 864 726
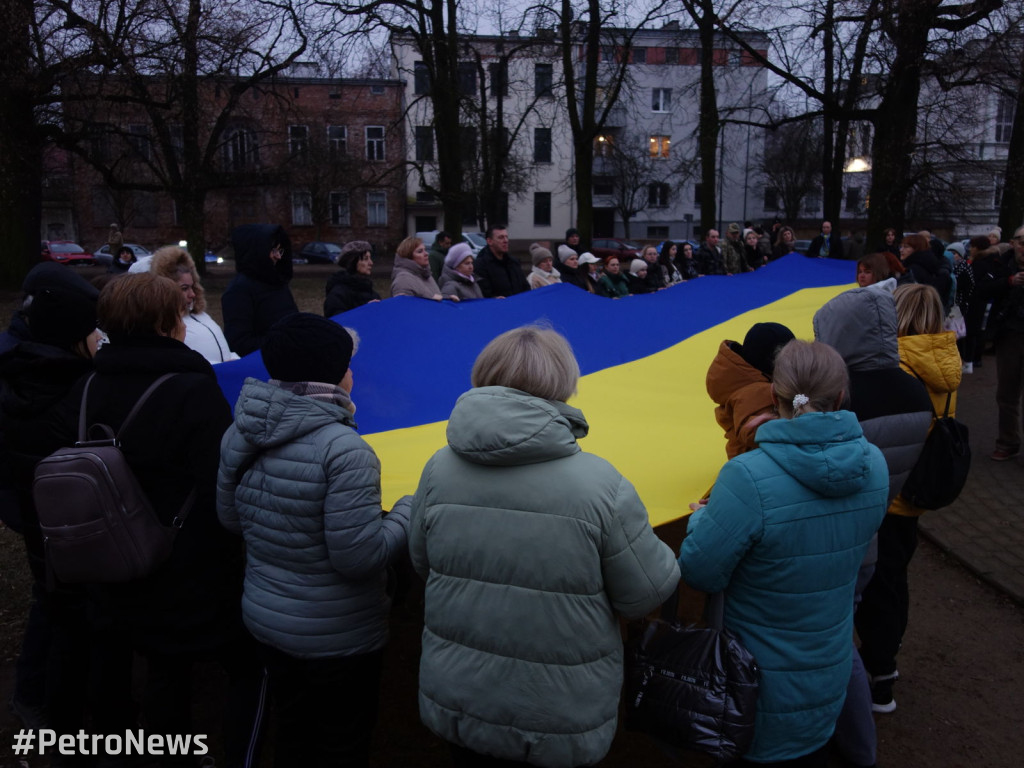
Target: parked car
pixel 474 240
pixel 105 257
pixel 318 252
pixel 603 247
pixel 65 252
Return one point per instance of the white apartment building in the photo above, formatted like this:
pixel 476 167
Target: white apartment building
pixel 652 129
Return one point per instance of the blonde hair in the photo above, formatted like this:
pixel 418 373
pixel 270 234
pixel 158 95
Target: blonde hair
pixel 532 359
pixel 406 247
pixel 918 310
pixel 171 261
pixel 811 369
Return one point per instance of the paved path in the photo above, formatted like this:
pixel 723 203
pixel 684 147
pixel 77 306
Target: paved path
pixel 984 529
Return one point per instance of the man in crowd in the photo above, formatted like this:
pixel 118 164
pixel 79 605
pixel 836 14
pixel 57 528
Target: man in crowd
pixel 733 257
pixel 495 269
pixel 827 245
pixel 709 255
pixel 438 251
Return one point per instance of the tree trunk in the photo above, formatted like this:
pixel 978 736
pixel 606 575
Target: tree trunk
pixel 708 125
pixel 896 127
pixel 1011 207
pixel 20 150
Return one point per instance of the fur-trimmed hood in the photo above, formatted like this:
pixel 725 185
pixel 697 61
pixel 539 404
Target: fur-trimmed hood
pixel 172 260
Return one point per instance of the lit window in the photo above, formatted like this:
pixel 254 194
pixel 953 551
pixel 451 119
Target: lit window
pixel 604 145
pixel 660 145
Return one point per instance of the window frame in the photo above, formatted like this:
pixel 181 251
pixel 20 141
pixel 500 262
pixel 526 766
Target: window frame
pixel 333 199
pixel 380 205
pixel 377 142
pixel 302 208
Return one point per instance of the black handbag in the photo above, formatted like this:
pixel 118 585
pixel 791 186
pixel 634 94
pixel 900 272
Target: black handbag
pixel 694 688
pixel 945 461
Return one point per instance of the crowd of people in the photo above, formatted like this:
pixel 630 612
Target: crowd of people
pixel 531 549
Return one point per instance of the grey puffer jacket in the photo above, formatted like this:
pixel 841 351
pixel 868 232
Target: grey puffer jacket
pixel 309 508
pixel 530 548
pixel 457 284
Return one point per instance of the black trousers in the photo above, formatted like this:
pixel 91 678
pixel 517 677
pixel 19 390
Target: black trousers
pixel 816 759
pixel 881 619
pixel 325 709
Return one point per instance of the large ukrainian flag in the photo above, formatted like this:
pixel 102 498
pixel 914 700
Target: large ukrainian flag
pixel 643 360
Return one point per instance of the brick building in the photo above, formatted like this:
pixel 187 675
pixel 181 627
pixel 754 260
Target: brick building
pixel 320 156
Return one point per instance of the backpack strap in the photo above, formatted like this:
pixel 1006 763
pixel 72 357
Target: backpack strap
pixel 949 395
pixel 190 500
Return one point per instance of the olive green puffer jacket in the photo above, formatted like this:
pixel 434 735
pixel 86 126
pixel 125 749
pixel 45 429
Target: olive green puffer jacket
pixel 530 549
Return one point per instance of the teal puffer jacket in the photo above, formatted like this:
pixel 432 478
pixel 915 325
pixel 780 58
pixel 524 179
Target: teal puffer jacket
pixel 784 534
pixel 529 548
pixel 317 545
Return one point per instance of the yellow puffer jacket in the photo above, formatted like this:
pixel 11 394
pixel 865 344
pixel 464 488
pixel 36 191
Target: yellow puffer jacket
pixel 934 358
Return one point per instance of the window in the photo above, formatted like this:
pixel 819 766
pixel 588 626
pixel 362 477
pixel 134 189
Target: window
pixel 771 199
pixel 657 232
pixel 657 195
pixel 542 209
pixel 639 55
pixel 659 146
pixel 852 198
pixel 138 140
pixel 698 189
pixel 420 78
pixel 424 143
pixel 423 196
pixel 377 90
pixel 499 78
pixel 542 145
pixel 671 55
pixel 338 202
pixel 375 142
pixel 543 80
pixel 240 150
pixel 302 209
pixel 661 99
pixel 1004 118
pixel 337 141
pixel 999 192
pixel 467 78
pixel 298 141
pixel 376 209
pixel 604 145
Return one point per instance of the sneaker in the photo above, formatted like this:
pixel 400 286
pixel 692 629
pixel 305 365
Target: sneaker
pixel 1001 454
pixel 881 693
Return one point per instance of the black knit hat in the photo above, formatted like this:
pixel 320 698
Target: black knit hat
pixel 62 311
pixel 762 342
pixel 307 347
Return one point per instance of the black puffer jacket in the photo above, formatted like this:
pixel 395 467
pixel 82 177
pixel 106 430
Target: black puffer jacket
pixel 193 602
pixel 347 290
pixel 924 267
pixel 259 295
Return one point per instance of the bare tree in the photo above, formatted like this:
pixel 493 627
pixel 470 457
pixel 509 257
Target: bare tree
pixel 154 115
pixel 639 180
pixel 791 163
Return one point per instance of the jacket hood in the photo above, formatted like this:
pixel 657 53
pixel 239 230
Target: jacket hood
pixel 266 415
pixel 861 325
pixel 447 273
pixel 935 358
pixel 506 427
pixel 826 452
pixel 403 264
pixel 729 372
pixel 252 244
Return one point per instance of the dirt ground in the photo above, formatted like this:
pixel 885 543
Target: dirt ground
pixel 961 668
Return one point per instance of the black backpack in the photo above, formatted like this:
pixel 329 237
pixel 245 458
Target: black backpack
pixel 97 523
pixel 945 461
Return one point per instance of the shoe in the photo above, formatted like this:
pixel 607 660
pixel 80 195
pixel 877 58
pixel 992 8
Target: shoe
pixel 967 368
pixel 31 716
pixel 1000 454
pixel 881 693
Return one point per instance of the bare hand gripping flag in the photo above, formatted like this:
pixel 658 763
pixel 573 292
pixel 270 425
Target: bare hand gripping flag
pixel 643 361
